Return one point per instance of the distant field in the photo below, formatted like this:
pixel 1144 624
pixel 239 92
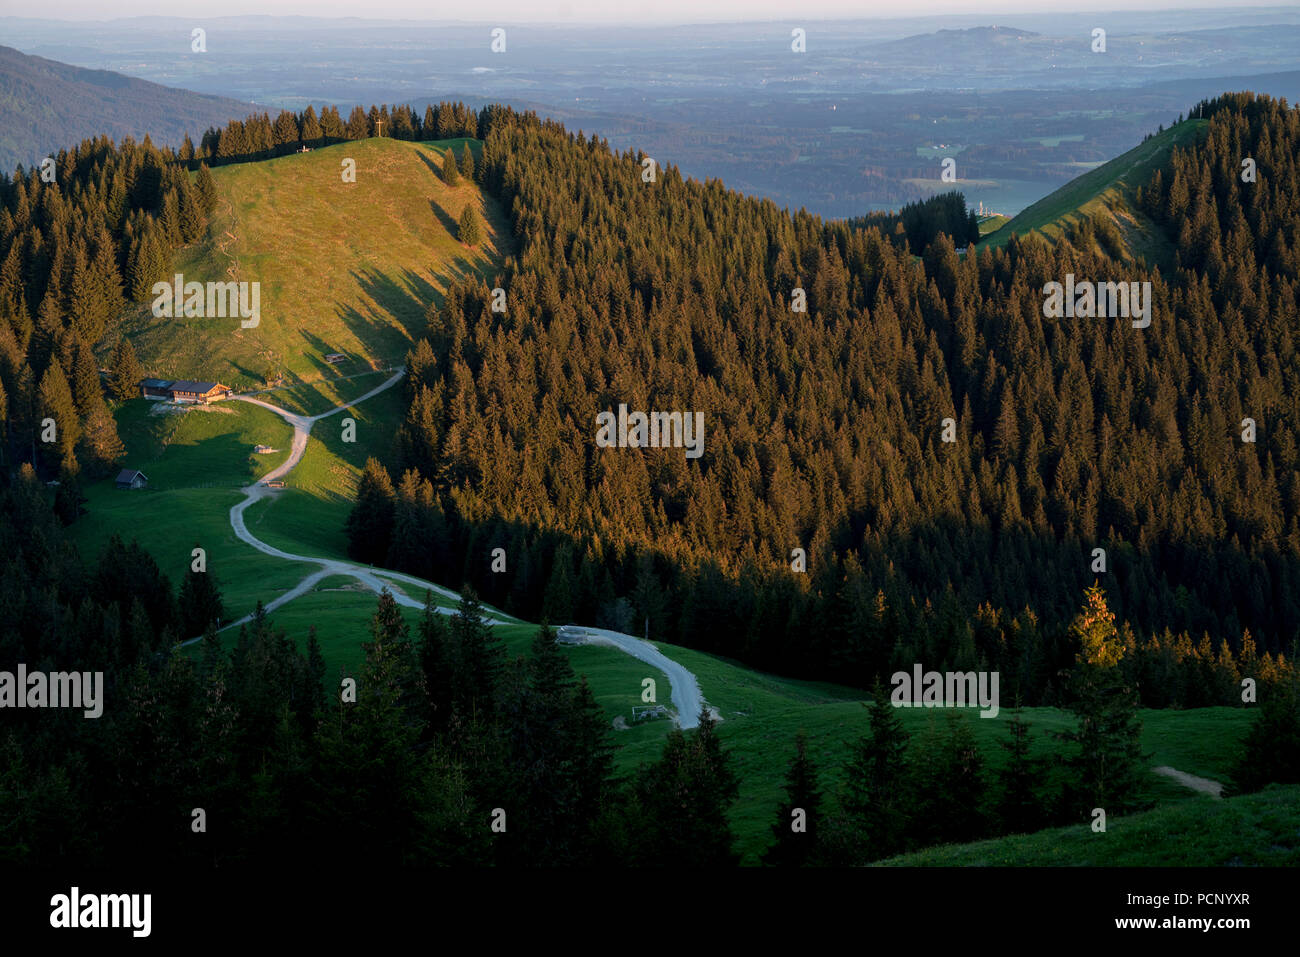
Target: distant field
pixel 932 151
pixel 343 267
pixel 1054 141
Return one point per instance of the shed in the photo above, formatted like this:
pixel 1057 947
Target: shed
pixel 132 478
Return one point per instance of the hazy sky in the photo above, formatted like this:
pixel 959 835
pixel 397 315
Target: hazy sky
pixel 535 11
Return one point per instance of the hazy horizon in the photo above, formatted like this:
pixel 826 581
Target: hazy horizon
pixel 599 12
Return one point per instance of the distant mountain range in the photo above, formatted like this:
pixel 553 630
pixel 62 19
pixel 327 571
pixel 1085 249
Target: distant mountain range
pixel 46 106
pixel 967 38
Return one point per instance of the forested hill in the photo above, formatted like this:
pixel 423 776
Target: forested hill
pixel 824 429
pixel 45 105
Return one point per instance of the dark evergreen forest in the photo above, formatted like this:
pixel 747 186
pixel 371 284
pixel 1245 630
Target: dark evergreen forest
pixel 824 429
pixel 918 224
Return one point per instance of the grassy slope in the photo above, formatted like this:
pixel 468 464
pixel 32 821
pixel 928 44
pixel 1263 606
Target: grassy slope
pixel 279 222
pixel 762 713
pixel 343 267
pixel 1109 189
pixel 196 446
pixel 1254 829
pixel 307 518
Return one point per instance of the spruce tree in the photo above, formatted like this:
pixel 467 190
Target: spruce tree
pixel 370 523
pixel 311 128
pixel 795 831
pixel 873 797
pixel 1271 751
pixel 450 174
pixel 193 220
pixel 391 659
pixel 67 497
pixel 1019 806
pixel 435 663
pixel 99 446
pixel 550 677
pixel 946 782
pixel 478 656
pixel 591 753
pixel 285 134
pixel 685 797
pixel 199 603
pixel 125 373
pixel 558 603
pixel 1109 760
pixel 55 402
pixel 358 127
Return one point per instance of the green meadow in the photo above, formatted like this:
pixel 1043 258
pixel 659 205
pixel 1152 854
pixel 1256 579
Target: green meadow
pixel 1261 829
pixel 343 267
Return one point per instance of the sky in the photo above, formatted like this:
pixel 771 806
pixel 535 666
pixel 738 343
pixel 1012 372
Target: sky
pixel 607 11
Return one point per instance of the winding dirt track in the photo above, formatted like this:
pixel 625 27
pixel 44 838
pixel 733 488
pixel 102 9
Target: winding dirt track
pixel 685 689
pixel 1204 785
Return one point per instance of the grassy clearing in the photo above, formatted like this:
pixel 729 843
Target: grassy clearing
pixel 1255 829
pixel 201 446
pixel 343 267
pixel 168 524
pixel 762 713
pixel 340 610
pixel 929 152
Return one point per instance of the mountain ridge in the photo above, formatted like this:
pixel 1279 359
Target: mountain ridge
pixel 47 105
